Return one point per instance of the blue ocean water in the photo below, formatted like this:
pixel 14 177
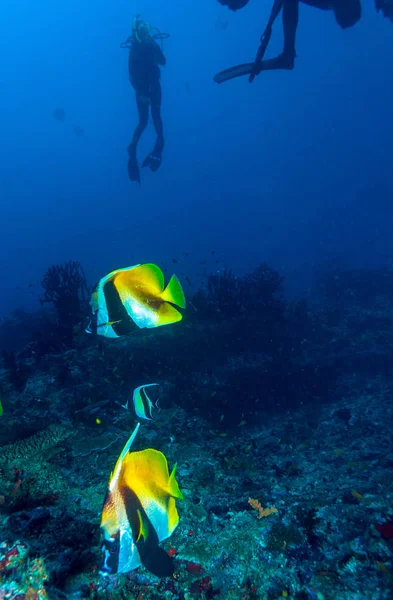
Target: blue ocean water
pixel 293 169
pixel 281 387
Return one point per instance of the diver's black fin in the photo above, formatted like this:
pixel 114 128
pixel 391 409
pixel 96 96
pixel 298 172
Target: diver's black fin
pixel 153 161
pixel 158 562
pixel 133 170
pixel 237 71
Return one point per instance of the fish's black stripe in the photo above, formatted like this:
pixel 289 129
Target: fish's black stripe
pixel 146 404
pixel 132 505
pixel 117 311
pixel 154 558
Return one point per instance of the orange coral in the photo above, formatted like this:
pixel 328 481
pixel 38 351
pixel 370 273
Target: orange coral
pixel 262 512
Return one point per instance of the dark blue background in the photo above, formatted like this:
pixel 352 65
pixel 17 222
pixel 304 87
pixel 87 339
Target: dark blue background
pixel 294 169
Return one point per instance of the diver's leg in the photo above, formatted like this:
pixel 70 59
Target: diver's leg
pixel 290 18
pixel 157 120
pixel 153 160
pixel 142 104
pixel 347 12
pixel 322 4
pixel 143 117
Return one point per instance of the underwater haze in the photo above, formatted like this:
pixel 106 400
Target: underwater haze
pixel 294 169
pixel 196 325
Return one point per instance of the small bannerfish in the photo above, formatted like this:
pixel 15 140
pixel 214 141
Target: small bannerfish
pixel 108 323
pixel 139 512
pixel 136 296
pixel 142 404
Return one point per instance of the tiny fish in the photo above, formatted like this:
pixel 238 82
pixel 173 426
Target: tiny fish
pixel 384 569
pixel 221 24
pixel 59 114
pixel 357 495
pixel 108 323
pixel 339 452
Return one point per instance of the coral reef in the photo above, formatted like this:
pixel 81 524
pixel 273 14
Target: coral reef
pixel 21 578
pixel 229 296
pixel 65 286
pixel 35 445
pixel 279 418
pixel 18 372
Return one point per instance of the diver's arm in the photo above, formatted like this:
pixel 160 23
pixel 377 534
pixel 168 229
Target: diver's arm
pixel 160 58
pixel 130 68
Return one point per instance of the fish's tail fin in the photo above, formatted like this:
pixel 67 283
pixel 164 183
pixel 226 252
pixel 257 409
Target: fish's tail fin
pixel 168 314
pixel 173 486
pixel 173 293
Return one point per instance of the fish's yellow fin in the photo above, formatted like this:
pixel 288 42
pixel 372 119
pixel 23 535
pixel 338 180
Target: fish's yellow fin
pixel 146 473
pixel 174 492
pixel 147 278
pixel 173 486
pixel 147 470
pixel 173 516
pixel 167 314
pixel 173 293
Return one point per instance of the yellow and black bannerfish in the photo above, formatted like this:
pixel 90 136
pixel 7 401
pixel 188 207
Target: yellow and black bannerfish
pixel 139 512
pixel 136 296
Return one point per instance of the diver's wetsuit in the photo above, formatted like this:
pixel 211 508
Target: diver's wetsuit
pixel 144 71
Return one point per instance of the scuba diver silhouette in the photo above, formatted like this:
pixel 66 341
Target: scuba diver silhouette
pixel 144 61
pixel 346 12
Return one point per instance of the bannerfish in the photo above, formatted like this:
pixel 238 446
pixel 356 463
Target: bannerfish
pixel 139 512
pixel 142 404
pixel 136 296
